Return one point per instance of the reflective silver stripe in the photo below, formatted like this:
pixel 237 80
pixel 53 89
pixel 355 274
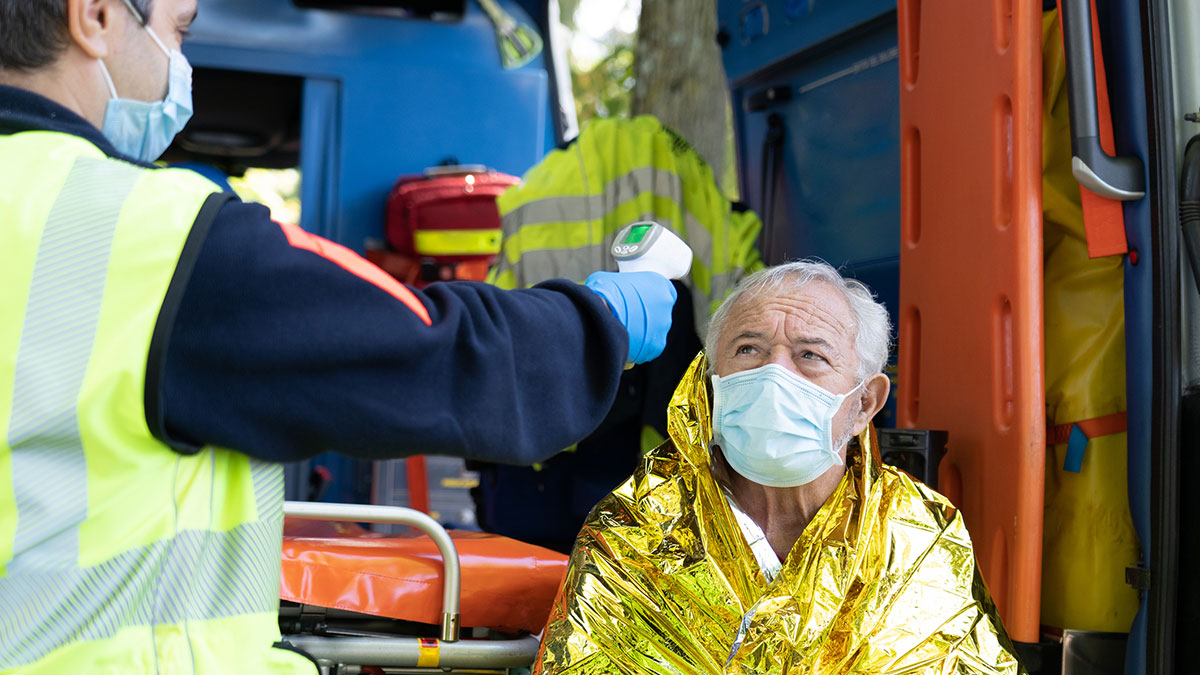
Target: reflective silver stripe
pixel 536 264
pixel 574 263
pixel 268 489
pixel 661 182
pixel 205 575
pixel 594 206
pixel 49 471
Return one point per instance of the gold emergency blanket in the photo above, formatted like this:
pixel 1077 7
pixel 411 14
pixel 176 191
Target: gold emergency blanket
pixel 661 580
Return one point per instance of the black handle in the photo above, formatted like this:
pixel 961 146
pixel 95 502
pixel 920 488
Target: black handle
pixel 918 452
pixel 1189 205
pixel 1118 178
pixel 772 158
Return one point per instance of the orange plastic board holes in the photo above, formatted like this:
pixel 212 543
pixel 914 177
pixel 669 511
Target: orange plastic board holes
pixel 997 565
pixel 1003 365
pixel 971 275
pixel 950 483
pixel 910 185
pixel 909 21
pixel 1002 24
pixel 1002 168
pixel 910 363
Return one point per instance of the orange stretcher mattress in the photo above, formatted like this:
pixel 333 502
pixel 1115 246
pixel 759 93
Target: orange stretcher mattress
pixel 507 585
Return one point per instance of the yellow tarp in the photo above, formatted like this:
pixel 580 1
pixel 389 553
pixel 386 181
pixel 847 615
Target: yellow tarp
pixel 1089 538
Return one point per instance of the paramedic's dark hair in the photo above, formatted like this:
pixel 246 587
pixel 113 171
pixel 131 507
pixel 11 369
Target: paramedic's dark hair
pixel 34 32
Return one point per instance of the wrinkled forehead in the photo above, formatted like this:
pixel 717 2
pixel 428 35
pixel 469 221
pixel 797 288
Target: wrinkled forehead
pixel 816 310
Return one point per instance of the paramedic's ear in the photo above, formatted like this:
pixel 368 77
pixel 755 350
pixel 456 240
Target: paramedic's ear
pixel 92 24
pixel 872 396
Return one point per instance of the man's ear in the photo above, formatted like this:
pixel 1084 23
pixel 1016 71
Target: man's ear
pixel 872 396
pixel 92 23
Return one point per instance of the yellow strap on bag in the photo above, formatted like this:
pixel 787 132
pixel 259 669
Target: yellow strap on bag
pixel 457 242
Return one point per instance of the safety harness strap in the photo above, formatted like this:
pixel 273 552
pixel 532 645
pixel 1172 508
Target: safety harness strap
pixel 1077 434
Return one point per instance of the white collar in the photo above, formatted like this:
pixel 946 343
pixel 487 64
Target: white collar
pixel 768 561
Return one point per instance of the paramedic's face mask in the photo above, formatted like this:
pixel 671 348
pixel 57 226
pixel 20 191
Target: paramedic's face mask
pixel 144 128
pixel 785 395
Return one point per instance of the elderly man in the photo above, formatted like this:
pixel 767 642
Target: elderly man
pixel 759 539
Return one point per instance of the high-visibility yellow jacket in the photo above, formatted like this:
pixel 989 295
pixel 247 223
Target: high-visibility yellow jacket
pixel 117 554
pixel 560 223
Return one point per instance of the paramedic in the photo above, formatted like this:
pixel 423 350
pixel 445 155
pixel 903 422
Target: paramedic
pixel 150 320
pixel 777 543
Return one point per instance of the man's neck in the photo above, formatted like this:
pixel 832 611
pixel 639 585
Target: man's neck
pixel 64 85
pixel 782 513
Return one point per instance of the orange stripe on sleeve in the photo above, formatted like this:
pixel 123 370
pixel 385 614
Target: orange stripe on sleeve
pixel 354 264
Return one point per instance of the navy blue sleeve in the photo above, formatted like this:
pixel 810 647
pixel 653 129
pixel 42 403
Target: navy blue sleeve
pixel 280 353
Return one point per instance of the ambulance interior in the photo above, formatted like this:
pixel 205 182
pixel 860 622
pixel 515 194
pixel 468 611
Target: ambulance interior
pixel 924 147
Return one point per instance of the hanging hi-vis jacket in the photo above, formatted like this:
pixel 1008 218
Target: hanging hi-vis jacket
pixel 117 554
pixel 561 222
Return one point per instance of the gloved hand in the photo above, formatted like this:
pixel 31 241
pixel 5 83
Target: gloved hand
pixel 642 301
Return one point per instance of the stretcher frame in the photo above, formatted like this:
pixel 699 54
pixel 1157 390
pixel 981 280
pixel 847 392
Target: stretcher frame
pixel 346 655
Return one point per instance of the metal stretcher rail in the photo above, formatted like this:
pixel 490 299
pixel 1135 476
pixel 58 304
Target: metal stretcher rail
pixel 406 652
pixel 360 513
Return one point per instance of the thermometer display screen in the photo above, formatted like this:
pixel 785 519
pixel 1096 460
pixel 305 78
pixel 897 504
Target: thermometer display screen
pixel 637 233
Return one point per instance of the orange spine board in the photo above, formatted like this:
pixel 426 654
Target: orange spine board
pixel 971 341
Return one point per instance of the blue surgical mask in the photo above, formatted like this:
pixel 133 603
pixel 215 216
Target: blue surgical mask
pixel 145 129
pixel 774 427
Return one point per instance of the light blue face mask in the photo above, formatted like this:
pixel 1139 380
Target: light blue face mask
pixel 774 427
pixel 144 129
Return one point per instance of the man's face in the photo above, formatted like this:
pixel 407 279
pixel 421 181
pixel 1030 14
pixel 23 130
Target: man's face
pixel 809 331
pixel 139 69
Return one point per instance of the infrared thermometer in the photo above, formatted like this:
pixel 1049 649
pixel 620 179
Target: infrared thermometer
pixel 647 246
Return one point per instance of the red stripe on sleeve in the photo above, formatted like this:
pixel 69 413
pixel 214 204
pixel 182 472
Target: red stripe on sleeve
pixel 354 264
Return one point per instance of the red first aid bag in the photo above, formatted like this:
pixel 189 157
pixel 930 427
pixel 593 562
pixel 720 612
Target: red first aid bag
pixel 448 215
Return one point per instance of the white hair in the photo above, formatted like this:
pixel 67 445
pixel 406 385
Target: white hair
pixel 872 326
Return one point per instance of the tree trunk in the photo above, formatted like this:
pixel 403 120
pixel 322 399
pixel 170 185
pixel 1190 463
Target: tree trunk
pixel 680 78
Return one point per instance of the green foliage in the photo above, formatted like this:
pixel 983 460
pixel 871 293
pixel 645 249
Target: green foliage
pixel 607 89
pixel 566 13
pixel 601 56
pixel 277 189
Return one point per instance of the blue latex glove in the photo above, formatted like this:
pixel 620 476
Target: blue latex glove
pixel 642 301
